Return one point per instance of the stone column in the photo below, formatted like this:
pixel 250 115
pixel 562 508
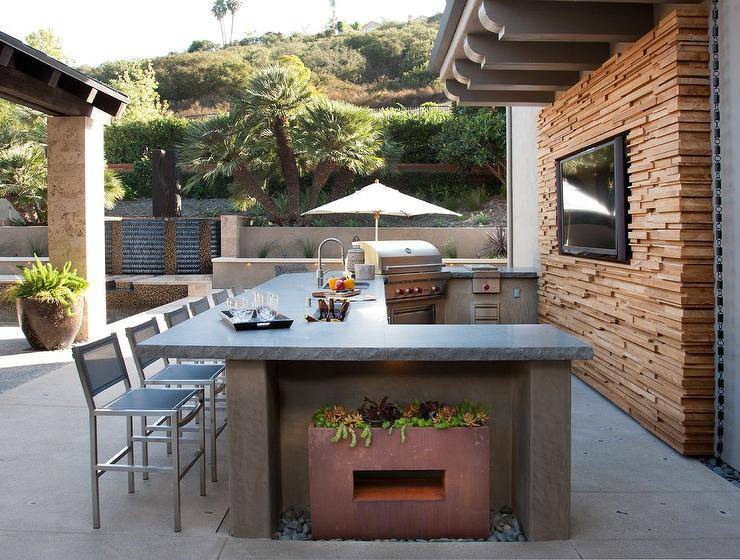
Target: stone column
pixel 230 235
pixel 76 209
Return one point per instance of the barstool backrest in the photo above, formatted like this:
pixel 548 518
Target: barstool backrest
pixel 220 297
pixel 199 306
pixel 138 334
pixel 100 366
pixel 176 316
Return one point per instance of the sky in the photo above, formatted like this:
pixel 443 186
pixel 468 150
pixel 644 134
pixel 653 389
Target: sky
pixel 96 31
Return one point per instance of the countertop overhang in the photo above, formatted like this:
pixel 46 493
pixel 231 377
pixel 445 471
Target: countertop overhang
pixel 364 336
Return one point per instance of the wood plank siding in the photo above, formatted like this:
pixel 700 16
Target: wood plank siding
pixel 650 320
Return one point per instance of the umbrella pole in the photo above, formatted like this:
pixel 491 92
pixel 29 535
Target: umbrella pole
pixel 377 219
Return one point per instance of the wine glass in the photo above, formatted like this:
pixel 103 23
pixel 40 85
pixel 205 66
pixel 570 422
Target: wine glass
pixel 266 305
pixel 235 306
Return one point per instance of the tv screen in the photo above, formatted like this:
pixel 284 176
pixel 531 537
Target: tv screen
pixel 591 202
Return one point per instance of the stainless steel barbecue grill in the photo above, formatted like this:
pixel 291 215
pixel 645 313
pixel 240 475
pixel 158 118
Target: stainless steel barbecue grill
pixel 413 273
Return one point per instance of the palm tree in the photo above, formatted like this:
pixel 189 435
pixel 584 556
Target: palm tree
pixel 272 99
pixel 233 6
pixel 219 10
pixel 220 147
pixel 23 166
pixel 337 139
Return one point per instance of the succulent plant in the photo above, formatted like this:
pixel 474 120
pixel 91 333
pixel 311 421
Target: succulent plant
pixel 445 414
pixel 428 408
pixel 411 410
pixel 336 414
pixel 379 412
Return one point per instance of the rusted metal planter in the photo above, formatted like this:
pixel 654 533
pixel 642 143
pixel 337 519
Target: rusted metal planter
pixel 47 326
pixel 434 485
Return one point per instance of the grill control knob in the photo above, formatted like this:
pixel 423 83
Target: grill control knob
pixel 435 289
pixel 486 287
pixel 409 290
pixel 399 292
pixel 418 290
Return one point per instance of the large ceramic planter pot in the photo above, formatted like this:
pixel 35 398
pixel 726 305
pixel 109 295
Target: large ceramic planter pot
pixel 47 325
pixel 436 484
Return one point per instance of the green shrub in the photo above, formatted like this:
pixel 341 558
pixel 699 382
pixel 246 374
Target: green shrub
pixel 128 142
pixel 414 133
pixel 138 183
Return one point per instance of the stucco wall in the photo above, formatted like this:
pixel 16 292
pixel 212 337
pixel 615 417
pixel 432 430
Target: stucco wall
pixel 730 118
pixel 19 241
pixel 470 242
pixel 525 247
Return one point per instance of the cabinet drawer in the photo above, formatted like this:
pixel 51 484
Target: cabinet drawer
pixel 486 284
pixel 486 312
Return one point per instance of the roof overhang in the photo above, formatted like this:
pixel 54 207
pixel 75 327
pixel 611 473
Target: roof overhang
pixel 524 52
pixel 31 78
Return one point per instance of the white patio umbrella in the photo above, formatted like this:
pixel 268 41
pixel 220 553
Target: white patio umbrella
pixel 379 200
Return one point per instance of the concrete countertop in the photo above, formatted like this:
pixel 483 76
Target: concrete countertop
pixel 364 336
pixel 518 272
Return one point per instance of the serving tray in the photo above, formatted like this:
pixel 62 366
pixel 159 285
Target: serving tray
pixel 254 324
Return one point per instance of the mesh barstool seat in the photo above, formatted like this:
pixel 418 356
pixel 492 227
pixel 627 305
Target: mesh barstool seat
pixel 199 306
pixel 205 376
pixel 220 296
pixel 100 366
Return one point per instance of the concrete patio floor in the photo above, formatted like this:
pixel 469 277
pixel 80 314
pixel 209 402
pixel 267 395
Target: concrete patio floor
pixel 632 496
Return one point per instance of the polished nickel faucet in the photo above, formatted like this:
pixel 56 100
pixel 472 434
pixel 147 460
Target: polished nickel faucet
pixel 319 268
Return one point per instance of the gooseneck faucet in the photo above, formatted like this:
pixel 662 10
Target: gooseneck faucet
pixel 319 268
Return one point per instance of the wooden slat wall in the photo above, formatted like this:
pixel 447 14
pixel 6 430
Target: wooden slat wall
pixel 650 321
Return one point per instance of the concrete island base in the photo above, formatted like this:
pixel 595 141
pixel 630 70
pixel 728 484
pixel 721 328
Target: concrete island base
pixel 271 402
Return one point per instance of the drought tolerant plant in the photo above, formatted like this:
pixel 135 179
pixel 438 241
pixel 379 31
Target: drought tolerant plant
pixel 449 249
pixel 496 246
pixel 482 219
pixel 308 247
pixel 264 250
pixel 48 284
pixel 387 415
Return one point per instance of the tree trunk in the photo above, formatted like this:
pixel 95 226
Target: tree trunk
pixel 250 185
pixel 498 171
pixel 320 176
pixel 342 180
pixel 289 168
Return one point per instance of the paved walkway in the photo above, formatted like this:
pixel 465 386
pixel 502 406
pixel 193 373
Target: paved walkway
pixel 632 495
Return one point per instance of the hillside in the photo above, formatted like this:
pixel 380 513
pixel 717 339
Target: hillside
pixel 379 68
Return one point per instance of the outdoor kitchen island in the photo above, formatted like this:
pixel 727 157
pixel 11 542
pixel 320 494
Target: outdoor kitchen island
pixel 278 378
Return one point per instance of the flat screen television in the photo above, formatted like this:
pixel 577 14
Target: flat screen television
pixel 592 217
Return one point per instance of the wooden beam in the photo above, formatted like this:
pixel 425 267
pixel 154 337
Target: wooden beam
pixel 91 95
pixel 492 54
pixel 36 94
pixel 477 79
pixel 638 1
pixel 6 54
pixel 54 78
pixel 459 93
pixel 551 20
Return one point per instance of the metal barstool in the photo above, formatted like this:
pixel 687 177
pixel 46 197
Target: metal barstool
pixel 205 376
pixel 100 366
pixel 220 296
pixel 199 306
pixel 176 316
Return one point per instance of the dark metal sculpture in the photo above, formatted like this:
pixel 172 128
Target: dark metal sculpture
pixel 166 199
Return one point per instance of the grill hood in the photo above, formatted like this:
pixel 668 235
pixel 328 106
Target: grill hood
pixel 402 257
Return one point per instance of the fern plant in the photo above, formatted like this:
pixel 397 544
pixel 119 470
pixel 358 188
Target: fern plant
pixel 48 284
